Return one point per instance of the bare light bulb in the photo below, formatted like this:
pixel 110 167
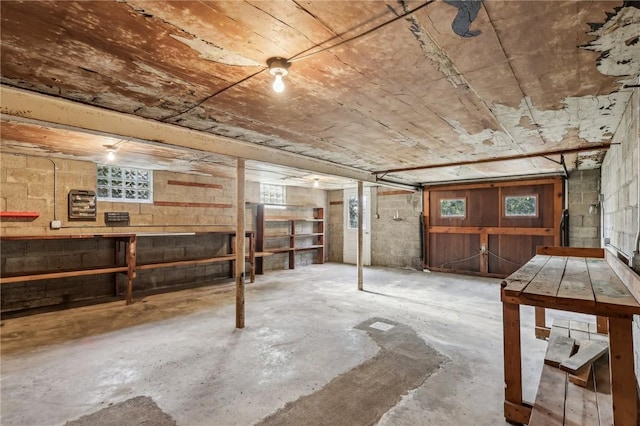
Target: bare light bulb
pixel 316 183
pixel 111 154
pixel 278 84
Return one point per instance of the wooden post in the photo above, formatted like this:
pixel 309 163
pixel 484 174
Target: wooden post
pixel 624 393
pixel 360 241
pixel 558 198
pixel 240 243
pixel 131 264
pixel 512 360
pixel 118 249
pixel 260 238
pixel 484 255
pixel 541 319
pixel 252 256
pixel 426 199
pixel 602 324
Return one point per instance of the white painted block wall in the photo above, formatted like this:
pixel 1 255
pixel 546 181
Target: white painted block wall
pixel 620 193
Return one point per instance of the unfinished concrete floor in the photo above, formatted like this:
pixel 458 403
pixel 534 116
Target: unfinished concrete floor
pixel 306 330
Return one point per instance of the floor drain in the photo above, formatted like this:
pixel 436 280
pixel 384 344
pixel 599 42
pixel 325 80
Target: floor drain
pixel 383 326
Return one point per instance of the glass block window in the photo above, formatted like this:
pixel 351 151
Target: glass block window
pixel 125 184
pixel 453 207
pixel 521 206
pixel 273 194
pixel 353 212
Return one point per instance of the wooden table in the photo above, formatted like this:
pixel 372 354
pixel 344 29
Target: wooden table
pixel 577 284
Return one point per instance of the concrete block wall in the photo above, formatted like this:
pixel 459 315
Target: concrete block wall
pixel 27 184
pixel 620 194
pixel 584 208
pixel 395 243
pixel 22 257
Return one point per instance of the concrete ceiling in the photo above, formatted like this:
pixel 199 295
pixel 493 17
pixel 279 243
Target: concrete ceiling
pixel 373 89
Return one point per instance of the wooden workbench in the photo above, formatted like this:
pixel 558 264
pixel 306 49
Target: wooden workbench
pixel 127 243
pixel 571 282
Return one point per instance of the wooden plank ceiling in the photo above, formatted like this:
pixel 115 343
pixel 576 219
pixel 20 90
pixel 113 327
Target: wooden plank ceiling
pixel 523 77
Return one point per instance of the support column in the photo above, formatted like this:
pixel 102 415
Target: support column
pixel 624 394
pixel 360 241
pixel 131 263
pixel 240 243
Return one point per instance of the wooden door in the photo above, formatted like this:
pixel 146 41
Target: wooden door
pixel 491 228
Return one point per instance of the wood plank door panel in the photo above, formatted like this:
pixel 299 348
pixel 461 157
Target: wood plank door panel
pixel 487 239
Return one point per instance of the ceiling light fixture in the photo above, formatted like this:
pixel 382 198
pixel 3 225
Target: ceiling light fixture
pixel 278 68
pixel 316 182
pixel 111 153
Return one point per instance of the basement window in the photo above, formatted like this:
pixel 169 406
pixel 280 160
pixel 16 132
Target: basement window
pixel 124 184
pixel 521 206
pixel 273 194
pixel 453 208
pixel 353 212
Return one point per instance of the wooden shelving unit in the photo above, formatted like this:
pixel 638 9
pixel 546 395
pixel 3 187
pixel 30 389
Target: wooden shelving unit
pixel 302 234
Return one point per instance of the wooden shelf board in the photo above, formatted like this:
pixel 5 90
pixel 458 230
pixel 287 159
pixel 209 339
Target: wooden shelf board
pixel 278 250
pixel 26 215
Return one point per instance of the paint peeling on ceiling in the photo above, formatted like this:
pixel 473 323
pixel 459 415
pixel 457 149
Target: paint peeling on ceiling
pixel 594 117
pixel 412 93
pixel 619 41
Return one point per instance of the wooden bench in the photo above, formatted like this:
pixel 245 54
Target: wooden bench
pixel 575 281
pixel 560 402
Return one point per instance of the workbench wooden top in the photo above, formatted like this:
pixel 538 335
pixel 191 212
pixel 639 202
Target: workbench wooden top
pixel 578 284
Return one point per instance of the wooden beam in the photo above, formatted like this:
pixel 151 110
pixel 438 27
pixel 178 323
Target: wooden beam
pixel 63 274
pixel 492 230
pixel 360 236
pixel 20 105
pixel 498 184
pixel 240 243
